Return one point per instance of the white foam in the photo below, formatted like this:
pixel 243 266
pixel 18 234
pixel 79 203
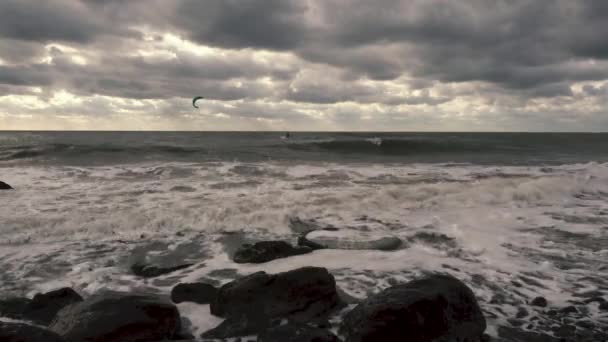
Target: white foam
pixel 493 215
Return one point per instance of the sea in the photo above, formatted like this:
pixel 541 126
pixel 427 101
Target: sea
pixel 513 215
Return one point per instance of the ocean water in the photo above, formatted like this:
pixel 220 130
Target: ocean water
pixel 514 216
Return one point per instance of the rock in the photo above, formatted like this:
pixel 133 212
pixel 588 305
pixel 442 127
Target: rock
pixel 200 293
pixel 293 332
pixel 433 308
pixel 238 326
pixel 265 251
pixel 4 186
pixel 352 239
pixel 151 271
pixel 18 332
pixel 14 307
pixel 508 334
pixel 539 301
pixel 522 312
pixel 42 308
pixel 306 293
pixel 114 317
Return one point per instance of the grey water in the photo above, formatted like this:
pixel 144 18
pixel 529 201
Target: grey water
pixel 103 148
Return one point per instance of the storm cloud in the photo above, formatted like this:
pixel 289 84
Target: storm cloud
pixel 413 64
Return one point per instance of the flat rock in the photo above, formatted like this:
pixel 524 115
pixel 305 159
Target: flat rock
pixel 200 293
pixel 18 332
pixel 434 308
pixel 4 186
pixel 151 271
pixel 118 317
pixel 305 294
pixel 265 251
pixel 353 239
pixel 297 332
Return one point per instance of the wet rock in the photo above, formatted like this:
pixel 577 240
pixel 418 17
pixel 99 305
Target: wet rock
pixel 306 293
pixel 539 301
pixel 42 308
pixel 569 310
pixel 508 334
pixel 18 332
pixel 433 308
pixel 14 307
pixel 265 251
pixel 238 326
pixel 200 293
pixel 151 271
pixel 114 317
pixel 4 186
pixel 353 239
pixel 522 312
pixel 293 332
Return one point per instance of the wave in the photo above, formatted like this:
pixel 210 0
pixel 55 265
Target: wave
pixel 394 146
pixel 52 151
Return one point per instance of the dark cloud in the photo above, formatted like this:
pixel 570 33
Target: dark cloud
pixel 502 53
pixel 271 24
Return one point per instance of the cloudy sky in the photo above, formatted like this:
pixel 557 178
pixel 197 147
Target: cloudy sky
pixel 413 65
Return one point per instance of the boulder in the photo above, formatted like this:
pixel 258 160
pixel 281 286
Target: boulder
pixel 350 239
pixel 294 332
pixel 123 317
pixel 18 332
pixel 539 301
pixel 151 271
pixel 200 293
pixel 42 308
pixel 14 307
pixel 4 186
pixel 265 251
pixel 433 308
pixel 303 294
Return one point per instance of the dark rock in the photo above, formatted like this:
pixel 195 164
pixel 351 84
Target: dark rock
pixel 434 308
pixel 293 332
pixel 42 308
pixel 569 309
pixel 522 312
pixel 200 293
pixel 265 251
pixel 508 334
pixel 18 332
pixel 539 301
pixel 238 326
pixel 303 294
pixel 114 317
pixel 604 306
pixel 4 186
pixel 14 307
pixel 151 271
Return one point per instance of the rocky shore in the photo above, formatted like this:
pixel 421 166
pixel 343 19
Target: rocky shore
pixel 300 305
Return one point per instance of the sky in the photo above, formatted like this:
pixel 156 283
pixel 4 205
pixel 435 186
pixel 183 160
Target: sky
pixel 356 65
